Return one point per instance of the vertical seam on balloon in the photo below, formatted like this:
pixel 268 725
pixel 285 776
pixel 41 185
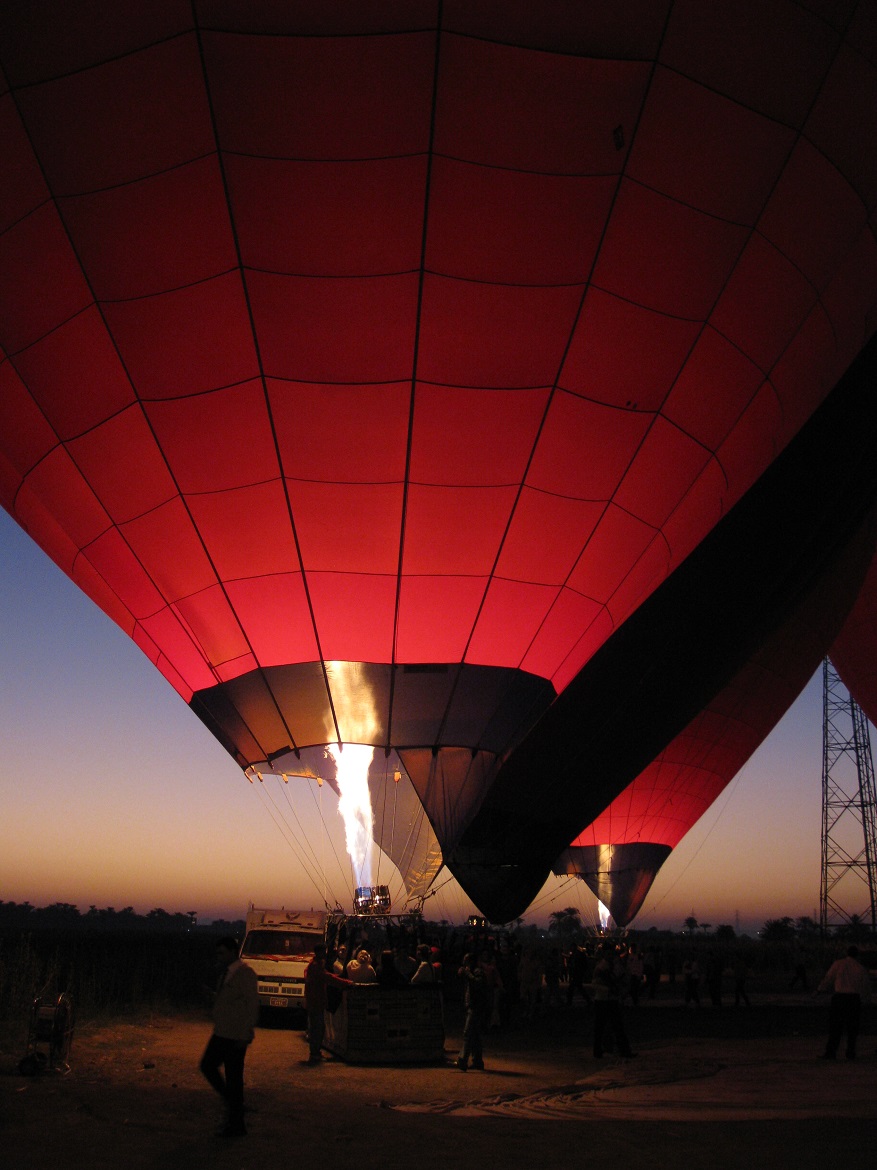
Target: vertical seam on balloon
pixel 551 396
pixel 264 384
pixel 421 278
pixel 556 386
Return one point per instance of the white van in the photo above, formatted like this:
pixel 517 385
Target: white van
pixel 278 945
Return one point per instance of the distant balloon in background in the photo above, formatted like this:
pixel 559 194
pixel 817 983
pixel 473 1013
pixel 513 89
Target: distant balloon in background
pixel 484 387
pixel 620 853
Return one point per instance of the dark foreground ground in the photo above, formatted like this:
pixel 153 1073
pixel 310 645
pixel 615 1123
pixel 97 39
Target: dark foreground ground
pixel 711 1088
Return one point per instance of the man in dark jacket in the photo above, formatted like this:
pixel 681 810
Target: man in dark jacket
pixel 607 1003
pixel 476 1000
pixel 235 1014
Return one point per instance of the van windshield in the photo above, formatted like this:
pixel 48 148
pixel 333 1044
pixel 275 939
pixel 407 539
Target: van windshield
pixel 279 942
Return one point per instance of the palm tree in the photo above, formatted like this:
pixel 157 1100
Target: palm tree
pixel 855 928
pixel 565 922
pixel 777 930
pixel 805 925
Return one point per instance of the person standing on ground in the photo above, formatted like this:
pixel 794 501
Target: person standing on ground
pixel 651 971
pixel 507 964
pixel 850 985
pixel 635 972
pixel 579 975
pixel 606 987
pixel 715 971
pixel 691 979
pixel 800 976
pixel 741 974
pixel 552 976
pixel 235 1014
pixel 493 982
pixel 530 972
pixel 435 957
pixel 476 1001
pixel 317 979
pixel 425 972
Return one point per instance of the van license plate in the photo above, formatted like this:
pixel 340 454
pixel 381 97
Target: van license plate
pixel 278 1001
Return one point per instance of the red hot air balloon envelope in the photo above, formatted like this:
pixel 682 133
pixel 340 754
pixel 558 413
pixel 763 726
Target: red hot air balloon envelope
pixel 621 851
pixel 384 370
pixel 854 652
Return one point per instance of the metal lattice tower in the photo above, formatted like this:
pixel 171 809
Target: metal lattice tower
pixel 849 817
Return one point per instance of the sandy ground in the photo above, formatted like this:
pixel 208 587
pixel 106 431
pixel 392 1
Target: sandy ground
pixel 711 1088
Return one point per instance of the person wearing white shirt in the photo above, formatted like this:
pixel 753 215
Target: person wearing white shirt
pixel 850 987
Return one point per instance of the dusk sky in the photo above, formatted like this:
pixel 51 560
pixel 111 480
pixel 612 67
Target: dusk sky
pixel 114 794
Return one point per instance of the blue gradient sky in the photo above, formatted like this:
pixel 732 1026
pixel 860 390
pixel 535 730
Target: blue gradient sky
pixel 114 794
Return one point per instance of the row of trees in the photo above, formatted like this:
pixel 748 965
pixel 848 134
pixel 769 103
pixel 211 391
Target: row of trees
pixel 566 924
pixel 788 929
pixel 15 916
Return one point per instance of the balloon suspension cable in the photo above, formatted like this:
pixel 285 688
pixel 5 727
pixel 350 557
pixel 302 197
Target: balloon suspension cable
pixel 548 899
pixel 414 827
pixel 704 749
pixel 731 790
pixel 375 835
pixel 415 905
pixel 323 847
pixel 327 836
pixel 419 900
pixel 388 814
pixel 299 840
pixel 289 835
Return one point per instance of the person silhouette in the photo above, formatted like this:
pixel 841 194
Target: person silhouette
pixel 235 1014
pixel 850 985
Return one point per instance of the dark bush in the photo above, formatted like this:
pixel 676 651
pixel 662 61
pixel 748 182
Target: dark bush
pixel 105 972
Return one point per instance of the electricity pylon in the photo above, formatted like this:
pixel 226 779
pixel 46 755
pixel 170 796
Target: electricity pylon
pixel 849 819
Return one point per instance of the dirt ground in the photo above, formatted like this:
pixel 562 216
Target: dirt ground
pixel 716 1088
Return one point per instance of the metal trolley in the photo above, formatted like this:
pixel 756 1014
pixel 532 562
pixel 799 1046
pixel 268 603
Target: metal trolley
pixel 50 1036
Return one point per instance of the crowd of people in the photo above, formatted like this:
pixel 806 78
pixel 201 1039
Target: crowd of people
pixel 498 983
